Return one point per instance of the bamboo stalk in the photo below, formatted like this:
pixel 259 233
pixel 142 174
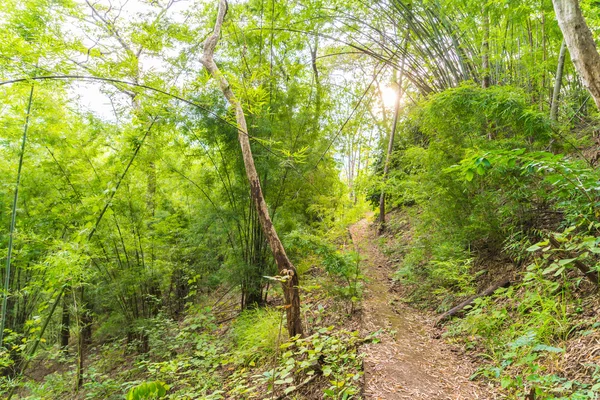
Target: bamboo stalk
pixel 558 81
pixel 13 218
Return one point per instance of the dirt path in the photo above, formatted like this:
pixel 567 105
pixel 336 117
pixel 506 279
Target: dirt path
pixel 412 364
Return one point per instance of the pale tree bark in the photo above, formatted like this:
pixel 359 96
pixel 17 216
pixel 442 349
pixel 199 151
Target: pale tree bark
pixel 284 265
pixel 580 43
pixel 558 81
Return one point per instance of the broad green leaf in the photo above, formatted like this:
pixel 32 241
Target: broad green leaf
pixel 566 261
pixel 533 248
pixel 553 267
pixel 469 174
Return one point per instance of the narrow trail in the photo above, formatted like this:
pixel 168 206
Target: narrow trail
pixel 411 364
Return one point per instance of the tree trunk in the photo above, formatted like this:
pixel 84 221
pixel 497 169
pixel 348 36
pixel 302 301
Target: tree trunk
pixel 386 165
pixel 543 92
pixel 390 148
pixel 80 361
pixel 558 81
pixel 580 43
pixel 65 325
pixel 284 265
pixel 457 309
pixel 485 61
pixel 313 57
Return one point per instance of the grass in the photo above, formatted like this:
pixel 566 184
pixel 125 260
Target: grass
pixel 257 333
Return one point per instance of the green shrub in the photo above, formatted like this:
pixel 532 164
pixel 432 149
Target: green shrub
pixel 148 391
pixel 340 265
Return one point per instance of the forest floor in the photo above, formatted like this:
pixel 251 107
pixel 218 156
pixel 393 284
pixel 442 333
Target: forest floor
pixel 411 361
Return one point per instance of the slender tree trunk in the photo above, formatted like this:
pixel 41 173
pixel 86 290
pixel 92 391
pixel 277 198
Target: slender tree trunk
pixel 284 265
pixel 580 43
pixel 386 165
pixel 80 343
pixel 390 147
pixel 485 62
pixel 558 81
pixel 543 92
pixel 84 327
pixel 531 84
pixel 80 360
pixel 65 326
pixel 318 90
pixel 13 221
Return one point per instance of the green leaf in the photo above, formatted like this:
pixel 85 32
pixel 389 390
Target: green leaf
pixel 559 271
pixel 506 382
pixel 533 248
pixel 550 349
pixel 148 390
pixel 553 267
pixel 469 174
pixel 289 390
pixel 566 261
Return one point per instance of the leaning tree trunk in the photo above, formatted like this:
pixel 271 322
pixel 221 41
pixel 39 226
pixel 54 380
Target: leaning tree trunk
pixel 284 265
pixel 580 43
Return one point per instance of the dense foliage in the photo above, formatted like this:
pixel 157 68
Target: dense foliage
pixel 138 265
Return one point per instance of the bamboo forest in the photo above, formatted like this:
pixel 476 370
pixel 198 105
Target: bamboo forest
pixel 271 199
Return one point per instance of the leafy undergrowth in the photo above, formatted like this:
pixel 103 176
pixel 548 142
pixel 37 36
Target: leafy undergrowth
pixel 251 358
pixel 539 338
pixel 527 337
pixel 246 357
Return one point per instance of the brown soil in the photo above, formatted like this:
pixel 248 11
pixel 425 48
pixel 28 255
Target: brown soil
pixel 410 362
